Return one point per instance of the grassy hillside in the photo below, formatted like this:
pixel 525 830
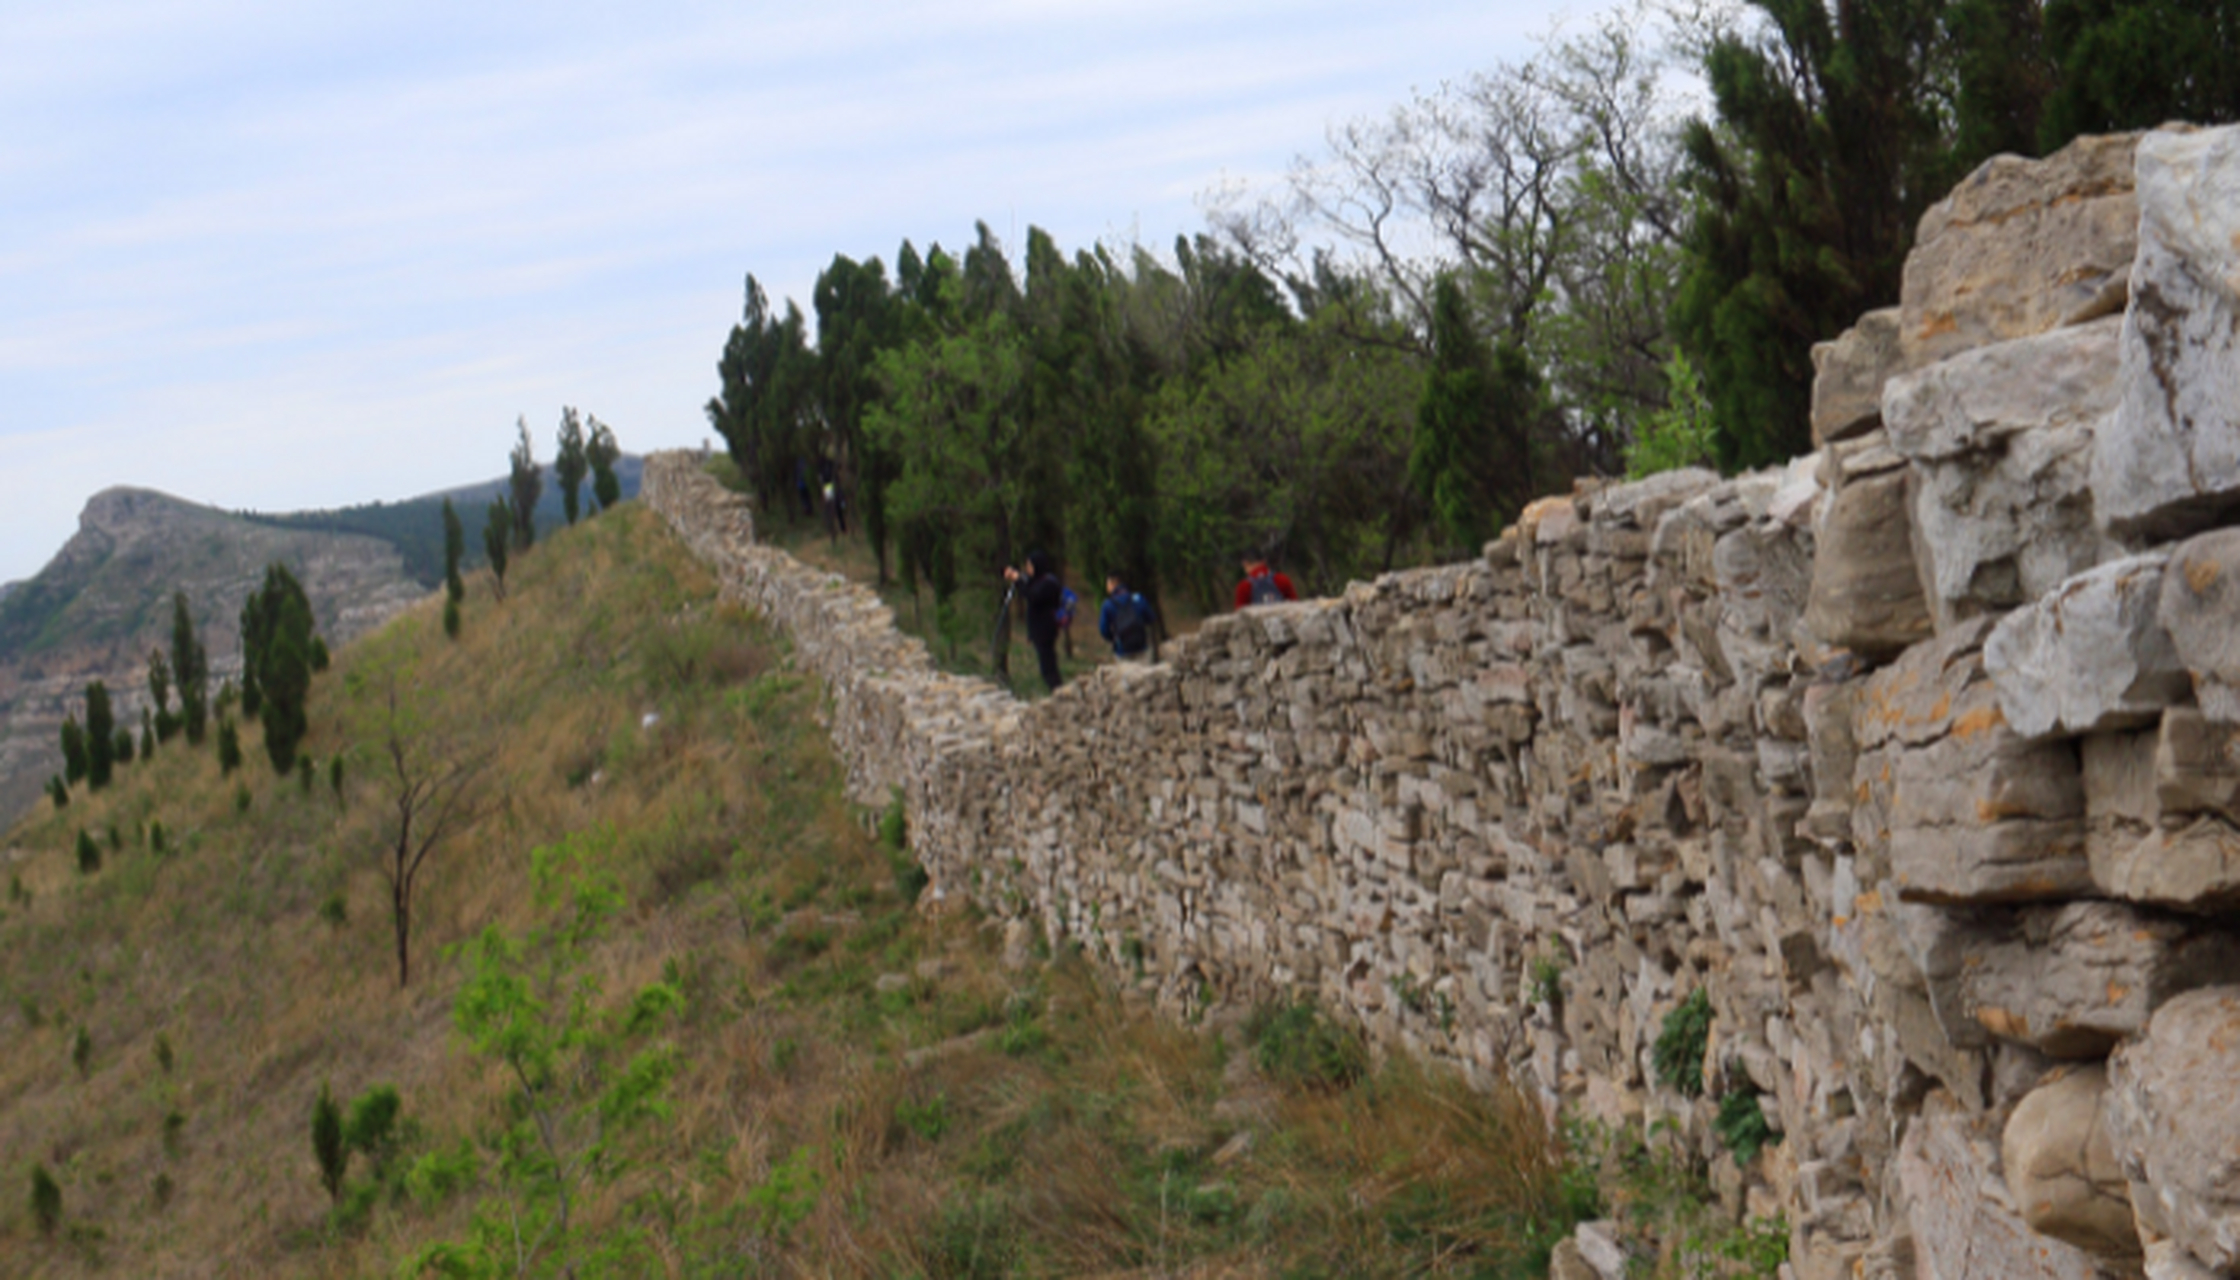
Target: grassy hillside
pixel 674 1009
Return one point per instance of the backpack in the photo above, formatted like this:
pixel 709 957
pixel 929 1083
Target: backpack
pixel 1066 602
pixel 1129 634
pixel 1265 590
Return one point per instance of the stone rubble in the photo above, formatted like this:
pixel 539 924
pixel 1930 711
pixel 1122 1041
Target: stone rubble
pixel 1915 755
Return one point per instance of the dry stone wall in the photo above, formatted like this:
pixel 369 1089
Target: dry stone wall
pixel 1916 756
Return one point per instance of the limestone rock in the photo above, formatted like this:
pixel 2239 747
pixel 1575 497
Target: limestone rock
pixel 2200 608
pixel 1960 1233
pixel 2167 462
pixel 1964 809
pixel 2020 247
pixel 2174 1120
pixel 2000 439
pixel 1847 377
pixel 2088 657
pixel 2063 1171
pixel 1866 595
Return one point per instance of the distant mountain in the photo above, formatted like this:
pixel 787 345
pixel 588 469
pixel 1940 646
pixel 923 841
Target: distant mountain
pixel 415 525
pixel 103 603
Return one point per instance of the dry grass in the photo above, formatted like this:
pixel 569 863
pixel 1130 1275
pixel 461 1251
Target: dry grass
pixel 864 1090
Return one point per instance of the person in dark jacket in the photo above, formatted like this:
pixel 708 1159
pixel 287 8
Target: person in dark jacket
pixel 1045 595
pixel 1126 621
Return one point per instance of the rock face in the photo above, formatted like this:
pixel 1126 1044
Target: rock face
pixel 1917 756
pixel 104 603
pixel 2172 1117
pixel 2169 461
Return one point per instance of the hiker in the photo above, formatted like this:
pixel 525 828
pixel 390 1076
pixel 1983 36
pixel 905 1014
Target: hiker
pixel 1262 586
pixel 1039 587
pixel 1126 621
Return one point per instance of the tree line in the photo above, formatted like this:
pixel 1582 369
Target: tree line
pixel 1556 268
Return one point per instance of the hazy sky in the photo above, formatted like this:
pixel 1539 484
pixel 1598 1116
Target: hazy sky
pixel 281 255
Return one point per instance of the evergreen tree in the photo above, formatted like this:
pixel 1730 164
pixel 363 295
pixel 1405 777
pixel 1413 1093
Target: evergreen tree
pixel 1828 145
pixel 327 1143
pixel 768 379
pixel 75 758
pixel 497 525
pixel 278 656
pixel 229 746
pixel 525 483
pixel 570 462
pixel 454 551
pixel 159 694
pixel 190 668
pixel 101 736
pixel 1473 448
pixel 602 452
pixel 2134 64
pixel 123 750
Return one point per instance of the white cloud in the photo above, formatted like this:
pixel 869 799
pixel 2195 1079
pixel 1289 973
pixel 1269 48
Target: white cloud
pixel 279 255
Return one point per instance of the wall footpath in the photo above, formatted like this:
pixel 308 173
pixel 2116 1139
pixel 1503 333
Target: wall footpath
pixel 1917 756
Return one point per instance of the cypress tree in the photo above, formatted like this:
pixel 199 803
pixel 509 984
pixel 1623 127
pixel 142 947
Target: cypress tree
pixel 602 452
pixel 327 1143
pixel 74 758
pixel 497 525
pixel 570 462
pixel 190 668
pixel 525 483
pixel 101 737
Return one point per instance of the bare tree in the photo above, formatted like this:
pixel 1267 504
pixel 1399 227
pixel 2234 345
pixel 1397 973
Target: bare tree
pixel 431 785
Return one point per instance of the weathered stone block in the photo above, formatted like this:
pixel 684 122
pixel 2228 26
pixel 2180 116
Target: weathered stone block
pixel 2167 462
pixel 2090 656
pixel 2020 247
pixel 1866 594
pixel 1959 1233
pixel 2000 439
pixel 2071 981
pixel 2200 608
pixel 1848 374
pixel 2063 1170
pixel 2174 1120
pixel 1965 809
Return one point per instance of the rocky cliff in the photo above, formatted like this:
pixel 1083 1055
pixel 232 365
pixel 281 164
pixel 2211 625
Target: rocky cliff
pixel 104 603
pixel 1916 758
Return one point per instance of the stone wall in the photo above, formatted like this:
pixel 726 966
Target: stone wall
pixel 1916 756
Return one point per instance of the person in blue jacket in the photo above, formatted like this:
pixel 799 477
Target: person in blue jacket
pixel 1125 621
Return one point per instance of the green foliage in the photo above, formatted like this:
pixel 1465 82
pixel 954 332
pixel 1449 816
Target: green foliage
pixel 1741 1125
pixel 497 530
pixel 788 1195
pixel 241 797
pixel 910 878
pixel 371 1128
pixel 928 1119
pixel 164 1057
pixel 524 483
pixel 327 1143
pixel 1681 1041
pixel 89 854
pixel 451 619
pixel 158 838
pixel 279 653
pixel 190 668
pixel 602 452
pixel 81 1051
pixel 1547 980
pixel 58 791
pixel 2135 64
pixel 586 1072
pixel 454 553
pixel 570 462
pixel 46 1200
pixel 1297 1043
pixel 1474 446
pixel 101 737
pixel 1683 433
pixel 229 746
pixel 121 750
pixel 335 779
pixel 335 911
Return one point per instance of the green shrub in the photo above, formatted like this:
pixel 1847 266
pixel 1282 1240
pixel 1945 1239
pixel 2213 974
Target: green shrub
pixel 157 837
pixel 164 1059
pixel 58 791
pixel 451 618
pixel 335 911
pixel 1678 1055
pixel 327 1143
pixel 229 746
pixel 81 1052
pixel 1741 1125
pixel 306 774
pixel 241 797
pixel 89 854
pixel 46 1200
pixel 1295 1042
pixel 1679 435
pixel 174 1131
pixel 371 1128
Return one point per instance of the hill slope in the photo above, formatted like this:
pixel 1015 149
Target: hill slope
pixel 812 1079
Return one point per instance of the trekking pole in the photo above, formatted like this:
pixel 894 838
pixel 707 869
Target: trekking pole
pixel 1000 654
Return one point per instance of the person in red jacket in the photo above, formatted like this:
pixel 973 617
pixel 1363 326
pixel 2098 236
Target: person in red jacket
pixel 1263 586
